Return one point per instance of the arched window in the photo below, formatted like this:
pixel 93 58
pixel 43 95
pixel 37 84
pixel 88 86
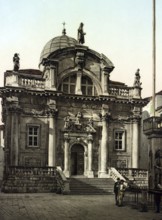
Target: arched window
pixel 88 87
pixel 68 85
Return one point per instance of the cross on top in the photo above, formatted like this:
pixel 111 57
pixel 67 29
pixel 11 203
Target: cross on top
pixel 64 30
pixel 64 24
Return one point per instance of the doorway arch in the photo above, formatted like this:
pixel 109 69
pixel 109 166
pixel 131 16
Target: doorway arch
pixel 77 159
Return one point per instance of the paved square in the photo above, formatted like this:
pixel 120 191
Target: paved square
pixel 65 207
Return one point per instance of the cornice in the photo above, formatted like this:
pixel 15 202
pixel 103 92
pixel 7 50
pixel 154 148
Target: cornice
pixel 5 91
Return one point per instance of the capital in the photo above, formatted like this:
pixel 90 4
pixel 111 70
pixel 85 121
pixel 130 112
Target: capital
pixel 66 137
pixel 90 138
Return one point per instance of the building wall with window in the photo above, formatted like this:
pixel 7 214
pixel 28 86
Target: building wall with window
pixel 70 113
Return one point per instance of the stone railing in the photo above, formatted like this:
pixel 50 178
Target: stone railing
pixel 152 124
pixel 63 186
pixel 123 92
pixel 133 173
pixel 114 174
pixel 34 171
pixel 30 172
pixel 137 178
pixel 31 83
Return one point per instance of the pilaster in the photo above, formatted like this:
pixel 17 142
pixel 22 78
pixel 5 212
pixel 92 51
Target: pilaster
pixel 50 74
pixel 52 112
pixel 104 80
pixel 90 156
pixel 14 111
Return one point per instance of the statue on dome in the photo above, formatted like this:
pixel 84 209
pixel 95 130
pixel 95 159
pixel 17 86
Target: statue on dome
pixel 81 34
pixel 16 60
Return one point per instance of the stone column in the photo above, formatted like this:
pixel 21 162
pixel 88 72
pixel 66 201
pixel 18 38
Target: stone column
pixel 52 142
pixel 90 156
pixel 136 137
pixel 66 155
pixel 78 90
pixel 85 162
pixel 104 143
pixel 135 144
pixel 52 112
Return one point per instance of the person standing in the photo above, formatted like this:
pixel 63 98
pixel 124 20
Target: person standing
pixel 116 190
pixel 121 191
pixel 157 197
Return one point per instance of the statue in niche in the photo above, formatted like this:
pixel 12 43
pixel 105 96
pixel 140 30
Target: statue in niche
pixel 16 62
pixel 81 34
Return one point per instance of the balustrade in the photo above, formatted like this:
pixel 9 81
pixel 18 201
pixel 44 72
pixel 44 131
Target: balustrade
pixel 20 171
pixel 33 83
pixel 119 91
pixel 34 171
pixel 132 172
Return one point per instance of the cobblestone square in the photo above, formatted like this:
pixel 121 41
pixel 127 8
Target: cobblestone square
pixel 63 207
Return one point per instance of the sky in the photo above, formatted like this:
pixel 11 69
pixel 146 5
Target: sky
pixel 120 29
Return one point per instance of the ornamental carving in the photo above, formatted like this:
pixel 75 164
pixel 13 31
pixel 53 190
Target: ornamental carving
pixel 80 60
pixel 35 112
pixel 76 123
pixel 136 114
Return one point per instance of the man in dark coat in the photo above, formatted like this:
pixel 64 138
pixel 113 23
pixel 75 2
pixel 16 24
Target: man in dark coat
pixel 116 190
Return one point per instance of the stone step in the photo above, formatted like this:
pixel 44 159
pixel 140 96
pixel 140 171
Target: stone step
pixel 91 185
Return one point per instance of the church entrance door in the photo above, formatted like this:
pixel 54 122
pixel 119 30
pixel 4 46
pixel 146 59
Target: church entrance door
pixel 77 160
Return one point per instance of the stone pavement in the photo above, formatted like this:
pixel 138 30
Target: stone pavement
pixel 65 207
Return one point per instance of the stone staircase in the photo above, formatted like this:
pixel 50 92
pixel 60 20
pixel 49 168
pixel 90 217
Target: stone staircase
pixel 91 186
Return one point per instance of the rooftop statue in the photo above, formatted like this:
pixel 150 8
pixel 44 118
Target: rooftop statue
pixel 16 60
pixel 81 34
pixel 137 82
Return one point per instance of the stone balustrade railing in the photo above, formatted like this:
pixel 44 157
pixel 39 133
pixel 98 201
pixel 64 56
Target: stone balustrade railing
pixel 57 173
pixel 114 174
pixel 117 91
pixel 32 83
pixel 34 171
pixel 63 186
pixel 133 172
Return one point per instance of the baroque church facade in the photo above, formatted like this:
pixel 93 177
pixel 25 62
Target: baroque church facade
pixel 69 113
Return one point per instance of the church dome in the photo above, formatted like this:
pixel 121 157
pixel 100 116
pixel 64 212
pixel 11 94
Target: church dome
pixel 57 43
